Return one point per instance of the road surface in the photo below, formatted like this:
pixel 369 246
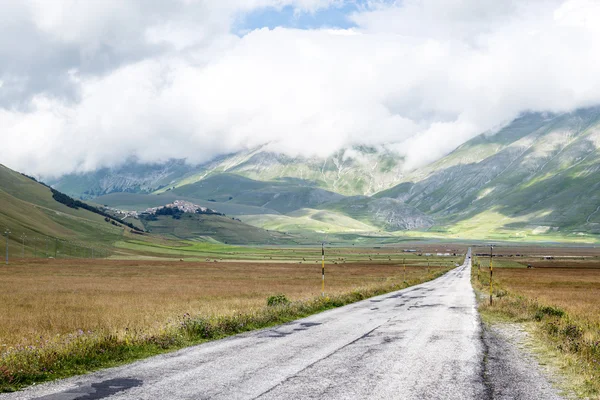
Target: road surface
pixel 423 342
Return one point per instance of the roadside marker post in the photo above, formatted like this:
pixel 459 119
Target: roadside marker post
pixel 404 263
pixel 7 233
pixel 23 237
pixel 491 272
pixel 323 269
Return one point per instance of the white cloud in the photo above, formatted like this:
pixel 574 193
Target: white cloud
pixel 424 76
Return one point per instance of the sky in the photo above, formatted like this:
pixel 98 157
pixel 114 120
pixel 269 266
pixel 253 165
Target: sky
pixel 86 84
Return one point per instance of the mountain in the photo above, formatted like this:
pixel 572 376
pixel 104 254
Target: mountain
pixel 281 196
pixel 132 177
pixel 538 174
pixel 385 213
pixel 53 224
pixel 360 170
pixel 303 206
pixel 29 208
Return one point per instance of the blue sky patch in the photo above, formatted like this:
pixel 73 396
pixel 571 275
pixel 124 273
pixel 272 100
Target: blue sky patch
pixel 333 17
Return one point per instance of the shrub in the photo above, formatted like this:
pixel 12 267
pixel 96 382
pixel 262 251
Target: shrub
pixel 277 300
pixel 551 311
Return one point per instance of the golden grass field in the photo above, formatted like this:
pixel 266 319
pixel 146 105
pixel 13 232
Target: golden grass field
pixel 572 286
pixel 44 298
pixel 571 280
pixel 561 297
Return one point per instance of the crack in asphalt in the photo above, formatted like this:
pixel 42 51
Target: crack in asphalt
pixel 288 378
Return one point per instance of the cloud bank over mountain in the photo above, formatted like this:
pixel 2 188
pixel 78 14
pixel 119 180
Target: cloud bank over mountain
pixel 85 84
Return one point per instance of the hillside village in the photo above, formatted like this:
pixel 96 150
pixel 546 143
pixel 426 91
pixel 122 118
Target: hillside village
pixel 181 205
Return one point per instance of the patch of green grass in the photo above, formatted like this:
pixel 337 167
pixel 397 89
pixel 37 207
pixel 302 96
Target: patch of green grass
pixel 309 220
pixel 220 228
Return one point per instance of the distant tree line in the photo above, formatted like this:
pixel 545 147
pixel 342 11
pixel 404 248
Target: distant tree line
pixel 209 212
pixel 176 213
pixel 77 204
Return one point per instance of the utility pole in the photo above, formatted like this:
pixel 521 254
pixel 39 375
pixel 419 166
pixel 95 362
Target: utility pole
pixel 7 233
pixel 323 269
pixel 491 271
pixel 23 236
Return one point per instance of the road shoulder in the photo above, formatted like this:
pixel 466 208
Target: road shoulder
pixel 513 369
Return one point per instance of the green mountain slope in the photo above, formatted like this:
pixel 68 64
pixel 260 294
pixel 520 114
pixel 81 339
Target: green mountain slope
pixel 539 173
pixel 282 196
pixel 237 195
pixel 28 208
pixel 360 170
pixel 356 171
pixel 384 213
pixel 214 228
pixel 310 220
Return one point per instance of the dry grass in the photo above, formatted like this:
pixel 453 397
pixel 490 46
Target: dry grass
pixel 45 298
pixel 573 289
pixel 562 297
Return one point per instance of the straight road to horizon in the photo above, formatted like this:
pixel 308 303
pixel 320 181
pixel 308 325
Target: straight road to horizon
pixel 423 342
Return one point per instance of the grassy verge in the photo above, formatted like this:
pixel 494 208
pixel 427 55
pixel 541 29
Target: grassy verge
pixel 573 339
pixel 83 352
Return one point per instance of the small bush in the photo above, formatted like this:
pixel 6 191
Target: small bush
pixel 551 311
pixel 277 300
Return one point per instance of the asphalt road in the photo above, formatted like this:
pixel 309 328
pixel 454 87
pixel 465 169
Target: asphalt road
pixel 423 342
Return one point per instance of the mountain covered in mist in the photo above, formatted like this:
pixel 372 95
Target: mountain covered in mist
pixel 537 175
pixel 541 172
pixel 361 170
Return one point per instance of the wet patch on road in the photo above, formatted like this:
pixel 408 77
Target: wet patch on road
pixel 434 338
pixel 461 310
pixel 426 306
pixel 96 391
pixel 309 324
pixel 279 334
